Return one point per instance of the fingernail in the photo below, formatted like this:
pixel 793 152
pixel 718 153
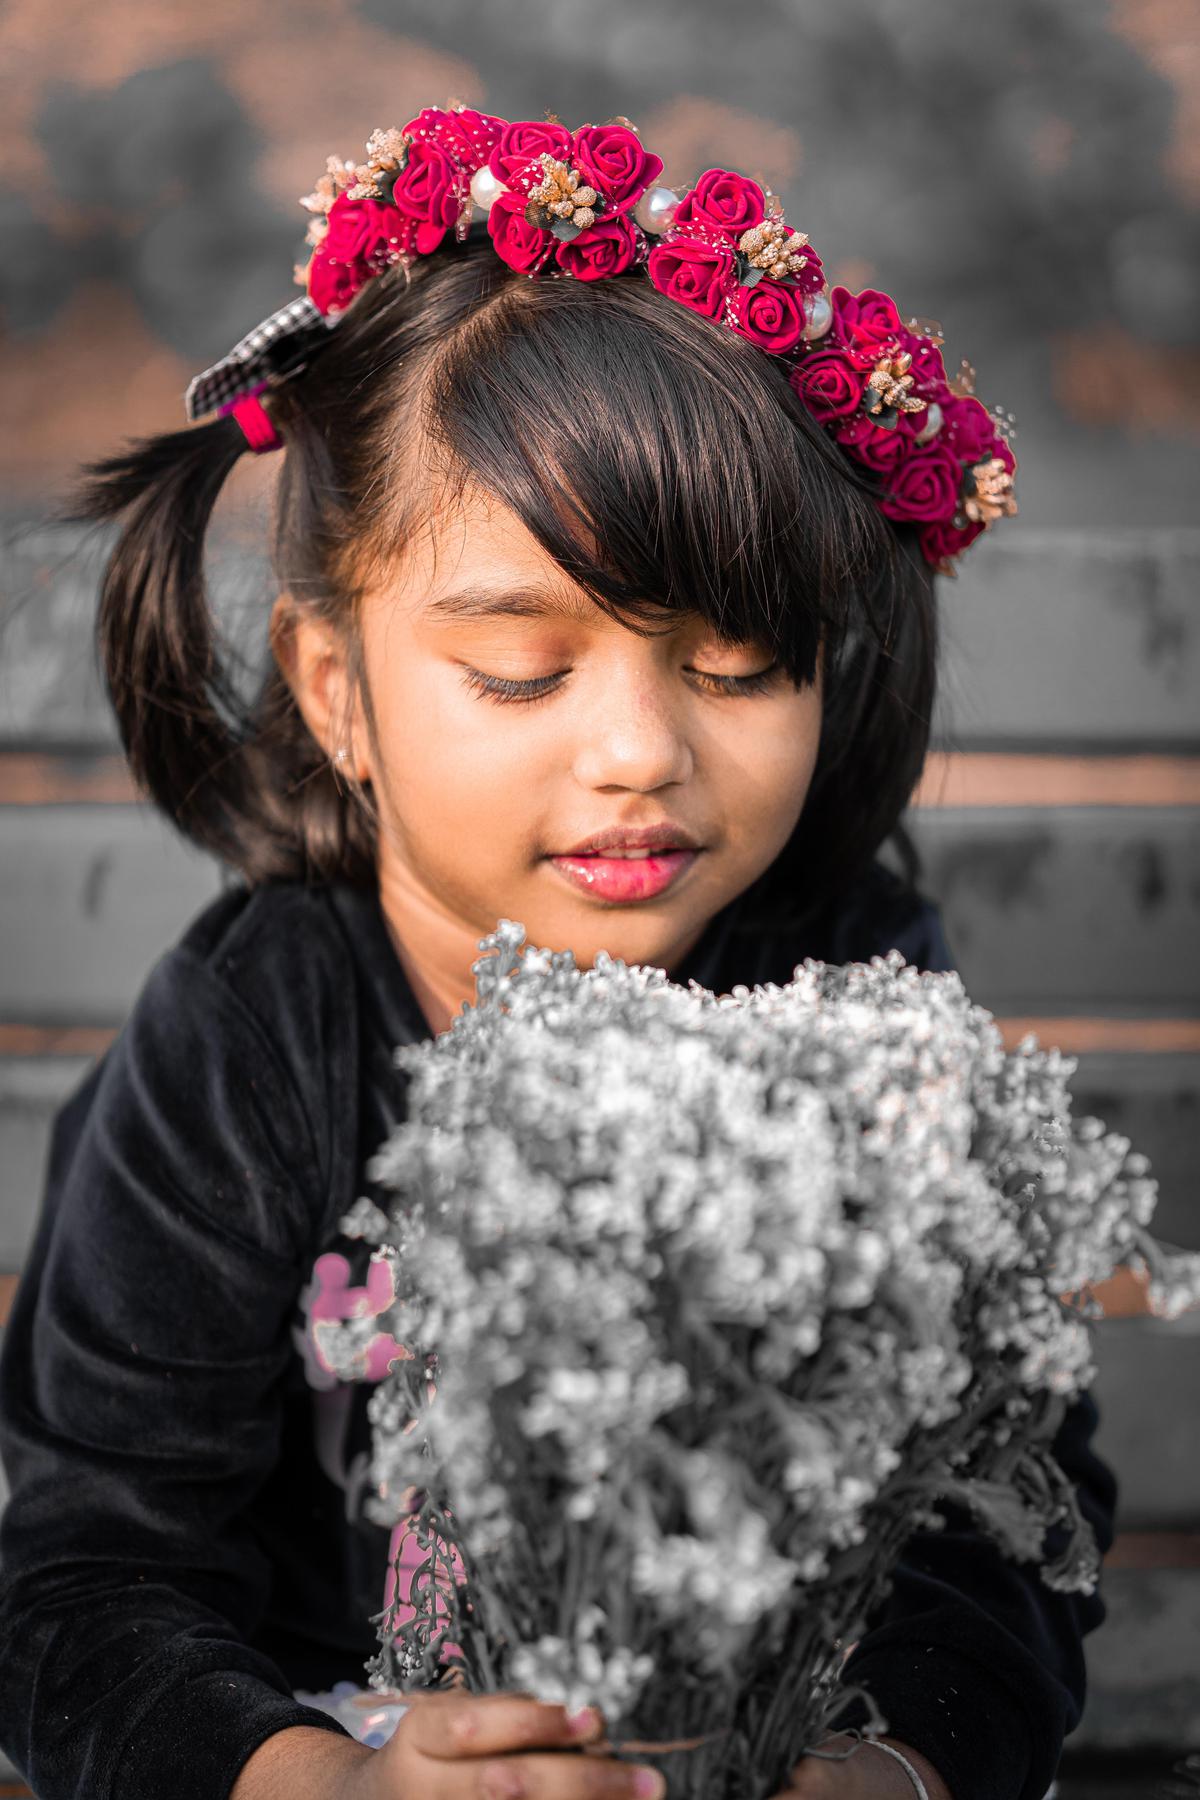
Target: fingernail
pixel 581 1721
pixel 648 1784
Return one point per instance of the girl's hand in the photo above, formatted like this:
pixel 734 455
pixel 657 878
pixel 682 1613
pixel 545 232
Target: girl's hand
pixel 867 1775
pixel 463 1746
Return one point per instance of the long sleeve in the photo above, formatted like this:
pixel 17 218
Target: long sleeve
pixel 140 1407
pixel 972 1658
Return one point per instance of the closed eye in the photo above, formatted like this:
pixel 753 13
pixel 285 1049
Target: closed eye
pixel 503 688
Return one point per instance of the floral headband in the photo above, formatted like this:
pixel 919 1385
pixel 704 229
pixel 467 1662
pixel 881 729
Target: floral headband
pixel 586 204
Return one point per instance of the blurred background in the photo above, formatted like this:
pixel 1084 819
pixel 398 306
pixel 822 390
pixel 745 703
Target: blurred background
pixel 1028 175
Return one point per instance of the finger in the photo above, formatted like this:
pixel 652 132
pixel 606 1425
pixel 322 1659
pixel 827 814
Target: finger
pixel 549 1777
pixel 457 1725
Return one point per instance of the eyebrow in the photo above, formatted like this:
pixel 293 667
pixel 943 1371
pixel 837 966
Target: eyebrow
pixel 512 603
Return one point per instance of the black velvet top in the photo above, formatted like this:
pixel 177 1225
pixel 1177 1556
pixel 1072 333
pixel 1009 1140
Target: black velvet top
pixel 184 1544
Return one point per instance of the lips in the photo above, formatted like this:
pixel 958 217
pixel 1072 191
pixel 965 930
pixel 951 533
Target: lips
pixel 625 879
pixel 663 836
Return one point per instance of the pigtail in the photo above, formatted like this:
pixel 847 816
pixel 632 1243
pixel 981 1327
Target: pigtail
pixel 246 782
pixel 154 630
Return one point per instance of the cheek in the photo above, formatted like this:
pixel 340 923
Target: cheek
pixel 449 758
pixel 769 760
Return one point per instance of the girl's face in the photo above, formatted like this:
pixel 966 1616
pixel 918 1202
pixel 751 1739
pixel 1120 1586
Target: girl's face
pixel 477 793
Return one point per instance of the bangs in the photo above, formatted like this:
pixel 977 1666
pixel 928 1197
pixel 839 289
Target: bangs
pixel 662 461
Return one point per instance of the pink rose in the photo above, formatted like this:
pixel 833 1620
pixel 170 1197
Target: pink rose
pixel 521 143
pixel 723 201
pixel 925 485
pixel 867 321
pixel 871 444
pixel 606 248
pixel 359 230
pixel 910 425
pixel 465 135
pixel 811 278
pixel 829 384
pixel 424 188
pixel 969 428
pixel 363 237
pixel 521 245
pixel 941 543
pixel 611 159
pixel 927 368
pixel 696 274
pixel 771 314
pixel 332 285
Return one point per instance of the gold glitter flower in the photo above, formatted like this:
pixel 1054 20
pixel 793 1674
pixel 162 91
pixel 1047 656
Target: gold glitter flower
pixel 387 153
pixel 987 492
pixel 561 193
pixel 772 246
pixel 887 386
pixel 337 178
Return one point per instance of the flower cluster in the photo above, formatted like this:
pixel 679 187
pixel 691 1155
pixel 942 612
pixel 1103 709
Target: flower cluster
pixel 710 1300
pixel 942 462
pixel 587 203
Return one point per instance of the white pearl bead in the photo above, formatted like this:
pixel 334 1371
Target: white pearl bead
pixel 932 425
pixel 655 211
pixel 485 187
pixel 819 313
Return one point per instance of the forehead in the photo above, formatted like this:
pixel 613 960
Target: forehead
pixel 528 600
pixel 473 560
pixel 467 556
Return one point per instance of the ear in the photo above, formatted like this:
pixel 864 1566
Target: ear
pixel 312 657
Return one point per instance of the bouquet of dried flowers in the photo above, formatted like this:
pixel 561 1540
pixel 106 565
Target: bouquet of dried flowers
pixel 708 1302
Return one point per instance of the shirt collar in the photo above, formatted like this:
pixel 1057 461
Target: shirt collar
pixel 385 985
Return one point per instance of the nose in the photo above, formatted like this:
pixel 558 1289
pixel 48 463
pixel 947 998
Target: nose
pixel 629 732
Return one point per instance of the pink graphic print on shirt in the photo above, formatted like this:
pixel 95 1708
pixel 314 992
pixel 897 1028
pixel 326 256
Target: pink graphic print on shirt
pixel 404 1540
pixel 339 1347
pixel 332 1351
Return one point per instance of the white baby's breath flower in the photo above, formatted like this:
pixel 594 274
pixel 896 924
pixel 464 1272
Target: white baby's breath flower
pixel 721 1288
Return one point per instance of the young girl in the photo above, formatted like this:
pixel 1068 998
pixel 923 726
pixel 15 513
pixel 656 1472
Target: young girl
pixel 572 564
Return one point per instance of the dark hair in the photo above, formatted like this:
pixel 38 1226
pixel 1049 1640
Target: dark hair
pixel 658 457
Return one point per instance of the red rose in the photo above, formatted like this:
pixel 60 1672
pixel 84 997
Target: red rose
pixel 811 278
pixel 424 188
pixel 518 243
pixel 871 444
pixel 724 201
pixel 863 321
pixel 927 368
pixel 606 248
pixel 770 314
pixel 465 135
pixel 924 485
pixel 611 159
pixel 332 285
pixel 829 384
pixel 694 273
pixel 363 237
pixel 521 143
pixel 969 428
pixel 941 543
pixel 359 230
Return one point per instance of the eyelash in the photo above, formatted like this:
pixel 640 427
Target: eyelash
pixel 502 688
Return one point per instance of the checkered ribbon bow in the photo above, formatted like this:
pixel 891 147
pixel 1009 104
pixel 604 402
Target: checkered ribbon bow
pixel 279 346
